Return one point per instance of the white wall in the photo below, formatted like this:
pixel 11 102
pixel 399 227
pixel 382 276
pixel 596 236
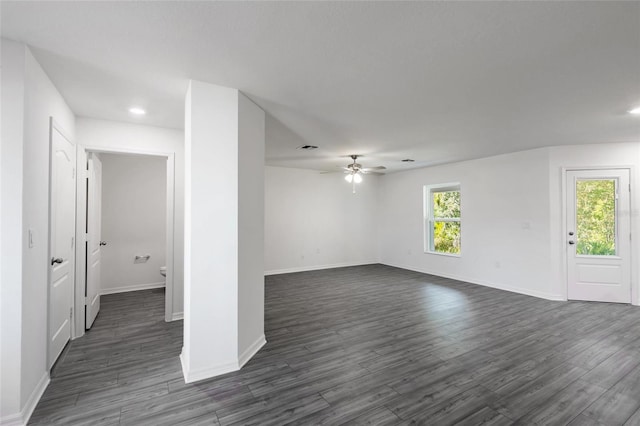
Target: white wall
pixel 41 101
pixel 504 216
pixel 11 175
pixel 134 193
pixel 111 135
pixel 251 139
pixel 314 221
pixel 512 217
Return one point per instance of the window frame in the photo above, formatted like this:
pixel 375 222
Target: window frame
pixel 429 219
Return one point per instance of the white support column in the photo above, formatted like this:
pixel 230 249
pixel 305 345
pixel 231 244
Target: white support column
pixel 251 138
pixel 224 190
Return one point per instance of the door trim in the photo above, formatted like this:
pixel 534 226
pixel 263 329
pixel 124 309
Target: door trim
pixel 632 225
pixel 78 329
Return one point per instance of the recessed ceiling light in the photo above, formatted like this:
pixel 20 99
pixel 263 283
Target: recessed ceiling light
pixel 137 111
pixel 635 111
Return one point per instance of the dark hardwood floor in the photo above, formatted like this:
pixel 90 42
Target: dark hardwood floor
pixel 363 345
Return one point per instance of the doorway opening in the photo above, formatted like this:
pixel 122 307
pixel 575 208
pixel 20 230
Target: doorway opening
pixel 126 213
pixel 598 235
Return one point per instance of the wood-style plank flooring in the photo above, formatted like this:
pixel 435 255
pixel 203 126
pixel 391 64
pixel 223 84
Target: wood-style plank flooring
pixel 363 345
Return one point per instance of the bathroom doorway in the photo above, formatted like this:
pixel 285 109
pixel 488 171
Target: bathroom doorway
pixel 126 215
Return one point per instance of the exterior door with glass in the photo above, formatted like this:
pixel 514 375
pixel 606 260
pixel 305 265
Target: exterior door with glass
pixel 598 235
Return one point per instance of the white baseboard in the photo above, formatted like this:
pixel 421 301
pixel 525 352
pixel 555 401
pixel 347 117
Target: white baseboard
pixel 22 418
pixel 177 316
pixel 527 292
pixel 191 376
pixel 136 287
pixel 317 267
pixel 251 351
pixel 12 420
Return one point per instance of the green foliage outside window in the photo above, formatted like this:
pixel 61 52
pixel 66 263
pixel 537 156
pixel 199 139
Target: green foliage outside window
pixel 596 217
pixel 446 234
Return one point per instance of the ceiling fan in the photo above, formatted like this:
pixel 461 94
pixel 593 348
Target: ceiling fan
pixel 354 171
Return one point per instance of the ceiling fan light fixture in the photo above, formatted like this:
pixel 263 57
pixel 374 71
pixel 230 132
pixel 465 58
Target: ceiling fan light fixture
pixel 357 178
pixel 349 178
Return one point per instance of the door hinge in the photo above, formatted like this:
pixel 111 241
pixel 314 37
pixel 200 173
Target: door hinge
pixel 70 312
pixel 86 301
pixel 629 187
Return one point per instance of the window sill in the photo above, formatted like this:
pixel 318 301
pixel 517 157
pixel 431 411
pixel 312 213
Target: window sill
pixel 443 254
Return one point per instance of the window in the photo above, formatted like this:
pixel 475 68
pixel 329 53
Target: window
pixel 442 218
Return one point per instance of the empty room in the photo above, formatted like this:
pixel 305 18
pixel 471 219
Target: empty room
pixel 270 213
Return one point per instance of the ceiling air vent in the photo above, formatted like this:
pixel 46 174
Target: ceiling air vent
pixel 408 160
pixel 308 147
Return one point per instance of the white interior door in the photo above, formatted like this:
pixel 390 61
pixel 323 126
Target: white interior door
pixel 62 250
pixel 599 233
pixel 94 238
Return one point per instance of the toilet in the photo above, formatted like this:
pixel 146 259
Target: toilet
pixel 163 271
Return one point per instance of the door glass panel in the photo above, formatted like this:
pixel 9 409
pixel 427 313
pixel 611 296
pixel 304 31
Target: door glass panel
pixel 596 217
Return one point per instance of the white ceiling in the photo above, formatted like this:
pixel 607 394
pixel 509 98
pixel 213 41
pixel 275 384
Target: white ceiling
pixel 433 81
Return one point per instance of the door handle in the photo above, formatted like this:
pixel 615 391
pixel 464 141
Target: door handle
pixel 55 260
pixel 571 242
pixel 103 243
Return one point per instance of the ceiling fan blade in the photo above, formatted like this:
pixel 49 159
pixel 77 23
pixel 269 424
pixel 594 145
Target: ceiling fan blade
pixel 371 172
pixel 375 168
pixel 334 171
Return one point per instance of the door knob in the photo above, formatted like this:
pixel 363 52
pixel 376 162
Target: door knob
pixel 55 260
pixel 103 243
pixel 571 242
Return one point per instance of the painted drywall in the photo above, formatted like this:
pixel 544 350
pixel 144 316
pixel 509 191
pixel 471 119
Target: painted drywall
pixel 11 176
pixel 251 147
pixel 103 134
pixel 211 231
pixel 224 273
pixel 314 221
pixel 34 100
pixel 504 216
pixel 134 193
pixel 42 101
pixel 512 217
